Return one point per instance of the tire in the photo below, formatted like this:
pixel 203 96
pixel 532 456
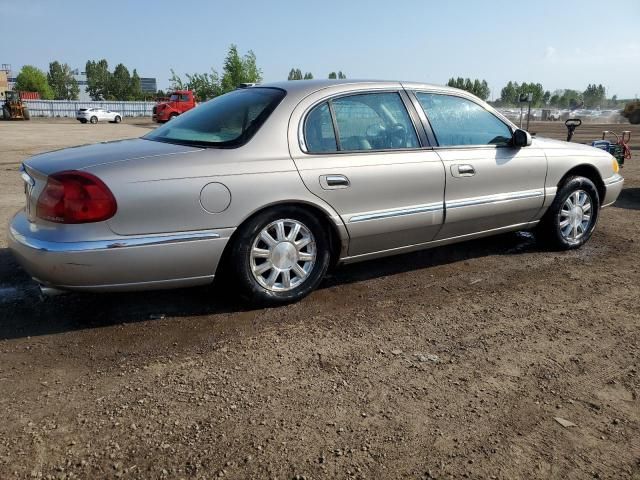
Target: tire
pixel 634 118
pixel 117 119
pixel 25 113
pixel 93 119
pixel 560 227
pixel 305 266
pixel 84 120
pixel 6 114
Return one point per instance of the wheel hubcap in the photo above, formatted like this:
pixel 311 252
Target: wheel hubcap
pixel 283 255
pixel 575 216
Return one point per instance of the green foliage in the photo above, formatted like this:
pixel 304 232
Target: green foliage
pixel 135 89
pixel 480 88
pixel 120 84
pixel 510 94
pixel 98 79
pixel 32 79
pixel 236 70
pixel 61 81
pixel 338 75
pixel 594 96
pixel 296 74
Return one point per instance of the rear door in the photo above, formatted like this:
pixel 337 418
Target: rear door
pixel 361 153
pixel 490 184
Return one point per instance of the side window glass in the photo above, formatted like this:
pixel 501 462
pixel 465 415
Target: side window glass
pixel 374 121
pixel 318 131
pixel 184 98
pixel 457 121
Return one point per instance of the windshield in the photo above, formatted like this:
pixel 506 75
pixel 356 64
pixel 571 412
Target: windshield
pixel 229 120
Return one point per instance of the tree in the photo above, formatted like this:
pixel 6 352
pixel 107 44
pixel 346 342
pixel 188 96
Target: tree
pixel 594 96
pixel 546 97
pixel 176 81
pixel 339 75
pixel 480 88
pixel 32 79
pixel 135 88
pixel 237 70
pixel 308 76
pixel 120 85
pixel 295 74
pixel 510 94
pixel 61 81
pixel 98 79
pixel 205 86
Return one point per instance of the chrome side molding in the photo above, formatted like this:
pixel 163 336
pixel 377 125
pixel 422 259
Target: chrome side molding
pixel 121 242
pixel 499 198
pixel 398 212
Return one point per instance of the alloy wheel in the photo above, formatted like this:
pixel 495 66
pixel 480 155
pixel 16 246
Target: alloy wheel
pixel 575 215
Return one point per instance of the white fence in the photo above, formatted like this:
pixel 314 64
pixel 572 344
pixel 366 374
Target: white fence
pixel 68 108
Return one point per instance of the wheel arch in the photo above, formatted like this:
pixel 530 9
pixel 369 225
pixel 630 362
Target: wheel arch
pixel 588 171
pixel 338 238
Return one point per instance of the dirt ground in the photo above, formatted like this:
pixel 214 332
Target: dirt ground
pixel 448 363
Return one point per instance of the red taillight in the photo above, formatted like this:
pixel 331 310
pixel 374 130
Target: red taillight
pixel 75 197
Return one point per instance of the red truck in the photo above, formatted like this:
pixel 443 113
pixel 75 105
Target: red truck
pixel 179 102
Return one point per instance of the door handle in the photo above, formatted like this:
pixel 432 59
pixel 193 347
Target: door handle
pixel 332 182
pixel 463 170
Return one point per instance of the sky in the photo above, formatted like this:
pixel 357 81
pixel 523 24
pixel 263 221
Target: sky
pixel 559 43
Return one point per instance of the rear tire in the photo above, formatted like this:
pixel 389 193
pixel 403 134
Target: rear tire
pixel 6 114
pixel 286 267
pixel 572 217
pixel 634 118
pixel 84 120
pixel 94 119
pixel 25 114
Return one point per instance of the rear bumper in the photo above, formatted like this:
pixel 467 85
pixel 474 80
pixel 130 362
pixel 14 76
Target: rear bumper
pixel 613 186
pixel 121 263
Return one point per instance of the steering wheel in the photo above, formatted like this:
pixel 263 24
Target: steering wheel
pixel 397 135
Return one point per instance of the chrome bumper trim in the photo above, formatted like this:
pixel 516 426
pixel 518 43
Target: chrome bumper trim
pixel 617 178
pixel 430 207
pixel 499 198
pixel 122 242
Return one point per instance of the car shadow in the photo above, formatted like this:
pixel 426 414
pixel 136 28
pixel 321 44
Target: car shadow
pixel 25 313
pixel 629 198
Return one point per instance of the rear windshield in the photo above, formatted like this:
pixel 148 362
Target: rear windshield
pixel 229 120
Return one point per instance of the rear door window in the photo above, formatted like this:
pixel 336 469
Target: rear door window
pixel 456 121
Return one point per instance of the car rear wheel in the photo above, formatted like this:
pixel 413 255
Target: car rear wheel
pixel 281 256
pixel 83 120
pixel 94 119
pixel 573 215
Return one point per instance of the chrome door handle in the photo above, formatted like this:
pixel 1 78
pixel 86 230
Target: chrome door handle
pixel 463 170
pixel 331 182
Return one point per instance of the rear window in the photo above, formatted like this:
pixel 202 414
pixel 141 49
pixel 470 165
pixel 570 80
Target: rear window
pixel 229 120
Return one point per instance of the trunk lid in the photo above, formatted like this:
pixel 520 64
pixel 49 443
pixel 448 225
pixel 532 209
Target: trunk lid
pixel 86 156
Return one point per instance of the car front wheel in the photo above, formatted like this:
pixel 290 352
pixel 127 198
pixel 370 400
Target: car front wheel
pixel 282 255
pixel 117 119
pixel 573 215
pixel 94 120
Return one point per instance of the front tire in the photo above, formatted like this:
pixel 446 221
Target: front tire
pixel 94 120
pixel 634 118
pixel 25 114
pixel 117 119
pixel 280 256
pixel 572 217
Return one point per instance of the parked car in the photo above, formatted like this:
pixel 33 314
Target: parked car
pixel 277 183
pixel 95 115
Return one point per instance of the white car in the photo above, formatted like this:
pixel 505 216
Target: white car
pixel 94 115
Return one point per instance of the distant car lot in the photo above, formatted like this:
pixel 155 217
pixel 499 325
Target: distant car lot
pixel 467 354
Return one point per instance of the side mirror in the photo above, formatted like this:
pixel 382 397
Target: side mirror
pixel 521 138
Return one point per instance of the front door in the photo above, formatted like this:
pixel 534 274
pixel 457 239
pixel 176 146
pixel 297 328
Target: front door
pixel 363 157
pixel 490 184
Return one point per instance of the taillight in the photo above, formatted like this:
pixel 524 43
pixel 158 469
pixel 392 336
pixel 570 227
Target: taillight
pixel 75 197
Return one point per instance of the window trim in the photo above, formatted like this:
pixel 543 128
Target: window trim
pixel 417 125
pixel 431 133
